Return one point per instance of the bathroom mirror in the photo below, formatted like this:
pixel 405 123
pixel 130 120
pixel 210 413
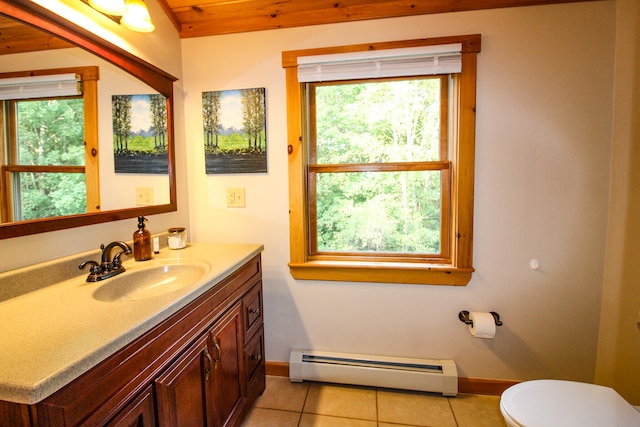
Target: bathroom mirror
pixel 60 31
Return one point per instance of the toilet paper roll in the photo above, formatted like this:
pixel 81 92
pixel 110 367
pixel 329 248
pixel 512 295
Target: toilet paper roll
pixel 484 325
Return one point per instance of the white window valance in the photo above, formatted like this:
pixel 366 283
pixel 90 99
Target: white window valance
pixel 51 85
pixel 412 61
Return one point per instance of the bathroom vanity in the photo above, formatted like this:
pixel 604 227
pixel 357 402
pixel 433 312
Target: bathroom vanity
pixel 122 354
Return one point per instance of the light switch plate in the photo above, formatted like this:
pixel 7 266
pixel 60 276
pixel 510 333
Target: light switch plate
pixel 144 196
pixel 235 198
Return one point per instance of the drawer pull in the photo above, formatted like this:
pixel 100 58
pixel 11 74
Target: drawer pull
pixel 216 345
pixel 255 311
pixel 207 371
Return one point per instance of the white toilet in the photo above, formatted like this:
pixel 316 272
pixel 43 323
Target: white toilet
pixel 556 403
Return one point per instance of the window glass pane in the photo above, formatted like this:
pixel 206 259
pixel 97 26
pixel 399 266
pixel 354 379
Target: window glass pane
pixel 43 195
pixel 392 212
pixel 378 121
pixel 51 132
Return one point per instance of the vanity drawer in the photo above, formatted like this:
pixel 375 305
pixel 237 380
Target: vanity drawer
pixel 254 354
pixel 253 309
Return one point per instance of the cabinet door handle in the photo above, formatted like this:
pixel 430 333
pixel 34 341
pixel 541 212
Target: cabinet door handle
pixel 207 370
pixel 257 357
pixel 255 311
pixel 216 345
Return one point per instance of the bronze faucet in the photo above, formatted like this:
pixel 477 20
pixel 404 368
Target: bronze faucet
pixel 108 267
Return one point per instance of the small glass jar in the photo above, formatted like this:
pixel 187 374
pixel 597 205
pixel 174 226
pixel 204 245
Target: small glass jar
pixel 177 238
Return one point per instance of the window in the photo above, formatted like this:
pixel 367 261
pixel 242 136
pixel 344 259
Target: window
pixel 381 161
pixel 378 170
pixel 49 142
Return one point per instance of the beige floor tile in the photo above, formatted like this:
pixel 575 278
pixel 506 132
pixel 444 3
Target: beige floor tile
pixel 313 420
pixel 477 411
pixel 416 409
pixel 334 405
pixel 261 417
pixel 341 401
pixel 283 394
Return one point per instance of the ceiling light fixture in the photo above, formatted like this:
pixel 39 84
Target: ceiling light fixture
pixel 134 13
pixel 108 7
pixel 136 17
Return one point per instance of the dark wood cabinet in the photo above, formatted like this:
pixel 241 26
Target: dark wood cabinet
pixel 181 392
pixel 204 386
pixel 226 375
pixel 203 366
pixel 139 413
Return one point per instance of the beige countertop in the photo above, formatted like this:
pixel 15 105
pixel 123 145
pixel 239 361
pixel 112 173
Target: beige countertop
pixel 50 336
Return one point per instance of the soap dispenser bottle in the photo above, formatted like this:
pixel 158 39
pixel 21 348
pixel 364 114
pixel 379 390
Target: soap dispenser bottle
pixel 142 241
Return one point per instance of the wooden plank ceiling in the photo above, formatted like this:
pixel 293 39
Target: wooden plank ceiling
pixel 17 38
pixel 197 18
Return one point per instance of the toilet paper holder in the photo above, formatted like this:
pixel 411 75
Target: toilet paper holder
pixel 464 317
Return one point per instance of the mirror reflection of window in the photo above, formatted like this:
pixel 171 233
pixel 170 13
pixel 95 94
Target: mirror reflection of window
pixel 49 136
pixel 44 171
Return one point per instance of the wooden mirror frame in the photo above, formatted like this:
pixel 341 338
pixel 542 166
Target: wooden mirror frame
pixel 45 20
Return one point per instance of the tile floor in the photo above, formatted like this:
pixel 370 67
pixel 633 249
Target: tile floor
pixel 286 404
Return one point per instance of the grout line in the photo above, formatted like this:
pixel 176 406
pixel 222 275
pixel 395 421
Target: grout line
pixel 306 396
pixel 377 408
pixel 455 419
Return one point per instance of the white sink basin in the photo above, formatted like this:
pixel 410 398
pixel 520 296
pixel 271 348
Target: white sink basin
pixel 151 281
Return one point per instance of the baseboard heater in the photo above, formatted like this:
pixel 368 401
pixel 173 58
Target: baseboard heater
pixel 439 376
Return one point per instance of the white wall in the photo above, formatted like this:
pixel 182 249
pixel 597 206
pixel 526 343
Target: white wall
pixel 161 48
pixel 543 146
pixel 618 345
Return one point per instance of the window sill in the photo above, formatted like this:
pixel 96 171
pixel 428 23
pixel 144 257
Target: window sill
pixel 378 272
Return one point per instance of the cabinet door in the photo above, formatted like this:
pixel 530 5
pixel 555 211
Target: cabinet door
pixel 138 413
pixel 183 395
pixel 227 354
pixel 203 387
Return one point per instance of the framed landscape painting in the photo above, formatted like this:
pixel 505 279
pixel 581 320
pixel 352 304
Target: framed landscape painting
pixel 234 128
pixel 140 134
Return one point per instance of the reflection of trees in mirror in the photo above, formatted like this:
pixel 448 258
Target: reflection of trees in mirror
pixel 49 132
pixel 140 133
pixel 234 123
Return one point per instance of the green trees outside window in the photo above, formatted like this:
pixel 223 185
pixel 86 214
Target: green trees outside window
pixel 49 132
pixel 378 167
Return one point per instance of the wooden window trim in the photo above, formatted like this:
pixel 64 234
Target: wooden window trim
pixel 460 269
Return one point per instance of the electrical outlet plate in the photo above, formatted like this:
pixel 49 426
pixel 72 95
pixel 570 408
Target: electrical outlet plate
pixel 144 196
pixel 235 198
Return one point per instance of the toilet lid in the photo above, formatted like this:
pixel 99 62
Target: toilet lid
pixel 556 403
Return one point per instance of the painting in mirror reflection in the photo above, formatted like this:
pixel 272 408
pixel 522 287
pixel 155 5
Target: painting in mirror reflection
pixel 140 134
